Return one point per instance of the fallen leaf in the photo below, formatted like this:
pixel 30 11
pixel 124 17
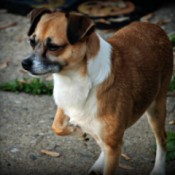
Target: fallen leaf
pixel 22 71
pixel 162 22
pixel 146 18
pixel 23 81
pixel 49 78
pixel 4 64
pixel 126 157
pixel 127 167
pixel 50 153
pixel 19 38
pixel 172 122
pixel 102 20
pixel 8 25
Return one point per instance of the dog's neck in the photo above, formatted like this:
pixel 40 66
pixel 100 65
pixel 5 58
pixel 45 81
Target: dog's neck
pixel 99 66
pixel 96 68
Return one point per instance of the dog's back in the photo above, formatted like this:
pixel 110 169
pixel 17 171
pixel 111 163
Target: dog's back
pixel 143 62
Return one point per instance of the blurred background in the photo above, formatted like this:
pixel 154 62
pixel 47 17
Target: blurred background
pixel 107 14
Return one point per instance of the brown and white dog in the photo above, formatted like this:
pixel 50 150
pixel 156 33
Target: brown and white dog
pixel 103 86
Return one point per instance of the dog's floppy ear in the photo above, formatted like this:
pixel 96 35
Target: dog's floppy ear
pixel 78 27
pixel 35 15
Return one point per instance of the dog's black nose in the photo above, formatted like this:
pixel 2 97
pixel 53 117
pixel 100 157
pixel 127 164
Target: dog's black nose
pixel 27 64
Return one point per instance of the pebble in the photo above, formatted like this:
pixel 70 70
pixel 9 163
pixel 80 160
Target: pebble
pixel 33 157
pixel 14 150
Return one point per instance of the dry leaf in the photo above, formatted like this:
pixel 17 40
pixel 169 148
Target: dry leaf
pixel 146 18
pixel 162 22
pixel 4 64
pixel 8 25
pixel 23 71
pixel 172 122
pixel 23 81
pixel 49 78
pixel 50 153
pixel 102 20
pixel 127 167
pixel 19 38
pixel 126 157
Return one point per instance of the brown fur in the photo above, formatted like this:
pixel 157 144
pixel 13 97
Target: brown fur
pixel 61 124
pixel 142 67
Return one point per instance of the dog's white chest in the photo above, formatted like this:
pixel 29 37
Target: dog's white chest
pixel 77 99
pixel 70 91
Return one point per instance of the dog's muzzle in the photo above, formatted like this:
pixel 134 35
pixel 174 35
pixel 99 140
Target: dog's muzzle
pixel 37 65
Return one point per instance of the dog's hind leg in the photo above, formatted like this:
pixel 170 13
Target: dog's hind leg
pixel 156 116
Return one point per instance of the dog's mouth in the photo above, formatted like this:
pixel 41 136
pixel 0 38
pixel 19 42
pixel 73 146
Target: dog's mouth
pixel 39 66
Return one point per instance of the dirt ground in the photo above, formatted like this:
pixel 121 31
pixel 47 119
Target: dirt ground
pixel 25 120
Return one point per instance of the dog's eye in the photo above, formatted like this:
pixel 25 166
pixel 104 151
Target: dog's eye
pixel 54 47
pixel 32 42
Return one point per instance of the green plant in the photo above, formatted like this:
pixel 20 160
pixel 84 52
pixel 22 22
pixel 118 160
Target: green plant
pixel 172 38
pixel 172 84
pixel 30 86
pixel 170 146
pixel 170 143
pixel 38 87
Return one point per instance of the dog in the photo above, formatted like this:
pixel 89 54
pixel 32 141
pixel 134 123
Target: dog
pixel 103 86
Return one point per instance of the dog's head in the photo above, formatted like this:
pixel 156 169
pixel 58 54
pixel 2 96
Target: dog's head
pixel 58 41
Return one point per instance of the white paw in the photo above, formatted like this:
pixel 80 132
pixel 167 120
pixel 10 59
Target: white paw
pixel 96 169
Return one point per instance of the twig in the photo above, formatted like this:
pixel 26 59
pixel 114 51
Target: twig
pixel 8 25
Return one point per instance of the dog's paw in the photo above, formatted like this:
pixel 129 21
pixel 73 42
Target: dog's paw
pixel 95 170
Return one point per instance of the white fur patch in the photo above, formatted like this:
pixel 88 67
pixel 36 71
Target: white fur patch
pixel 99 164
pixel 160 161
pixel 99 67
pixel 71 89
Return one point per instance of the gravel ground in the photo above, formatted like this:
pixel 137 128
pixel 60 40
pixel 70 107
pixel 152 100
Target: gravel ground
pixel 25 120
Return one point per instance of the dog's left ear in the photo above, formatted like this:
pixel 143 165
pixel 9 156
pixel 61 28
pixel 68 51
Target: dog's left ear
pixel 35 15
pixel 78 27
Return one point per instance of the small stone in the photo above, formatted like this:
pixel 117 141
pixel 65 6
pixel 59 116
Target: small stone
pixel 14 150
pixel 8 164
pixel 172 122
pixel 33 157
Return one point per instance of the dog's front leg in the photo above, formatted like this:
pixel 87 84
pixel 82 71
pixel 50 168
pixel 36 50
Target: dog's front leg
pixel 61 125
pixel 111 160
